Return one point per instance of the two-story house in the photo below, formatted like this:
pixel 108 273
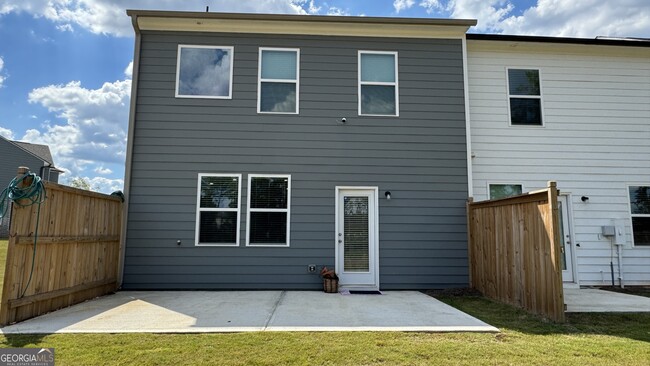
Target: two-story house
pixel 264 147
pixel 576 111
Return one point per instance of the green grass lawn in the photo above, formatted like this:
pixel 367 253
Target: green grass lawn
pixel 585 339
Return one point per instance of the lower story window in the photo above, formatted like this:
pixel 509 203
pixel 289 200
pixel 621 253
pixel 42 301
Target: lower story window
pixel 640 212
pixel 217 213
pixel 269 202
pixel 498 191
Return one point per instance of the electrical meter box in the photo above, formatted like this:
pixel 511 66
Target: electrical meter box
pixel 608 230
pixel 619 238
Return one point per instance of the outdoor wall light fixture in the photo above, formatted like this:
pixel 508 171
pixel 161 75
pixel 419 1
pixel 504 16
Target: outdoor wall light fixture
pixel 387 194
pixel 584 199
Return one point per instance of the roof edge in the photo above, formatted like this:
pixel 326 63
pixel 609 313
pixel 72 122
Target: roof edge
pixel 627 42
pixel 300 17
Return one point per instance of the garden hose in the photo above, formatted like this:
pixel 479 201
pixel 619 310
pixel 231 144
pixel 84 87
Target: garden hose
pixel 32 194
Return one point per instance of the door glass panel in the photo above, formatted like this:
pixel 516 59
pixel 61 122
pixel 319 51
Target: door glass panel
pixel 562 235
pixel 356 240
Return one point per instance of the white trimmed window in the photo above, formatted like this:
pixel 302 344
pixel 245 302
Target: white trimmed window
pixel 204 72
pixel 218 209
pixel 378 84
pixel 524 97
pixel 268 214
pixel 498 190
pixel 278 87
pixel 640 212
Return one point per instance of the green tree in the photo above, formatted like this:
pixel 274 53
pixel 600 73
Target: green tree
pixel 81 183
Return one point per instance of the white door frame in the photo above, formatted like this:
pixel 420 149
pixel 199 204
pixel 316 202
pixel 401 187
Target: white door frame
pixel 571 256
pixel 373 204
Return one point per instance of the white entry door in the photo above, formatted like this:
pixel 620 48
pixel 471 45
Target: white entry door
pixel 565 231
pixel 357 244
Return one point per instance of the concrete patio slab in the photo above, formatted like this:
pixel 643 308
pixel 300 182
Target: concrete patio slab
pixel 242 311
pixel 591 300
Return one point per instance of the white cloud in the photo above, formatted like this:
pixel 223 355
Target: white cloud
pixel 65 27
pixel 103 171
pixel 128 72
pixel 400 5
pixel 432 6
pixel 6 133
pixel 109 17
pixel 94 129
pixel 2 77
pixel 333 10
pixel 490 13
pixel 585 18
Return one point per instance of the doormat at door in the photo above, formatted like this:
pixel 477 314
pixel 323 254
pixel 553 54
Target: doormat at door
pixel 365 292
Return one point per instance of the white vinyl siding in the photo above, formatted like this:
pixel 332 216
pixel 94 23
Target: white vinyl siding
pixel 378 83
pixel 278 87
pixel 594 142
pixel 218 207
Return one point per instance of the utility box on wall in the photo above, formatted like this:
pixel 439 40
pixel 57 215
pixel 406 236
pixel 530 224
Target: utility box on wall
pixel 615 232
pixel 620 237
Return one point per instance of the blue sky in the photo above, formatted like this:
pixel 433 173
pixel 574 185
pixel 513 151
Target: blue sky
pixel 65 64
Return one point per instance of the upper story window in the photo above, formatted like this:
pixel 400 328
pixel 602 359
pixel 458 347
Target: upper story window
pixel 278 87
pixel 640 212
pixel 269 202
pixel 204 72
pixel 378 84
pixel 218 208
pixel 498 191
pixel 524 97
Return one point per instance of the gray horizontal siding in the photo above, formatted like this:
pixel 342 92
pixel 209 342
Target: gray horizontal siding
pixel 419 156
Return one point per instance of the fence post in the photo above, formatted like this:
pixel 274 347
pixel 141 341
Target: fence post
pixel 470 242
pixel 556 247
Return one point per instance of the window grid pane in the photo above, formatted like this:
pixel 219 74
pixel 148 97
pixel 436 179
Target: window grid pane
pixel 526 111
pixel 279 64
pixel 277 97
pixel 269 192
pixel 268 228
pixel 523 82
pixel 640 200
pixel 377 67
pixel 378 99
pixel 218 227
pixel 219 192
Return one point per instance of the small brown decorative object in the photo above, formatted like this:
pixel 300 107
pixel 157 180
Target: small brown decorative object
pixel 330 280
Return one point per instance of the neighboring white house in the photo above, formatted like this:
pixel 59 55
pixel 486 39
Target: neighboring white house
pixel 578 112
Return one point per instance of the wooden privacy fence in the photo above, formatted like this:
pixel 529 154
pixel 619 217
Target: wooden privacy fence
pixel 514 251
pixel 76 255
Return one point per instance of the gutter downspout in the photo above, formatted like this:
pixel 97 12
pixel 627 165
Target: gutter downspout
pixel 129 148
pixel 468 131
